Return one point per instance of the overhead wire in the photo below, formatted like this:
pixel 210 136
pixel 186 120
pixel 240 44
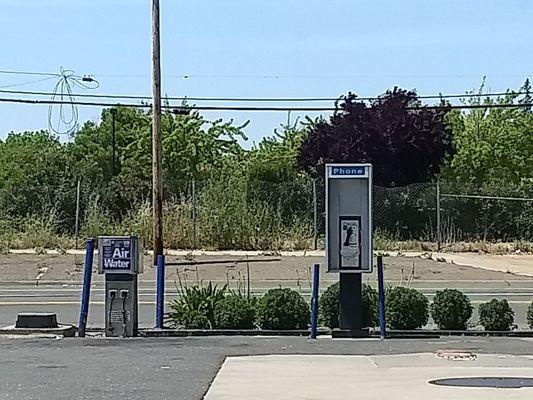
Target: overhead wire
pixel 258 99
pixel 269 76
pixel 244 108
pixel 27 73
pixel 67 111
pixel 27 82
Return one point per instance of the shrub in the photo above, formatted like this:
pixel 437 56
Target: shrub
pixel 530 315
pixel 451 309
pixel 194 308
pixel 406 308
pixel 496 315
pixel 328 307
pixel 235 311
pixel 370 305
pixel 282 309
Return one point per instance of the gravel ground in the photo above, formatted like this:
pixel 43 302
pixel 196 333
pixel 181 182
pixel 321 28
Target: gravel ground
pixel 68 268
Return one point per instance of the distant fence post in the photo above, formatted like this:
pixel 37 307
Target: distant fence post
pixel 77 222
pixel 315 216
pixel 439 237
pixel 194 244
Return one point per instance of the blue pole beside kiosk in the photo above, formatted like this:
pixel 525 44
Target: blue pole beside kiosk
pixel 314 301
pixel 86 292
pixel 381 288
pixel 160 297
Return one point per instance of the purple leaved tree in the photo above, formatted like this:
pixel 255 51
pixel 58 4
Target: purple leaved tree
pixel 404 140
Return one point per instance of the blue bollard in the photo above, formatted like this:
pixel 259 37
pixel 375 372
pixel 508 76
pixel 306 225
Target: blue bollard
pixel 160 296
pixel 381 288
pixel 314 301
pixel 86 292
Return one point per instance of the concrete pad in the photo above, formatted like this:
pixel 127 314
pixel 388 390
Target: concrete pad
pixel 521 264
pixel 398 377
pixel 64 330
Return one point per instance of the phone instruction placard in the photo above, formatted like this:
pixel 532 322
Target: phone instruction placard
pixel 350 241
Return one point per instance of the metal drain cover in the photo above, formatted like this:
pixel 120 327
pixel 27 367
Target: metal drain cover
pixel 499 382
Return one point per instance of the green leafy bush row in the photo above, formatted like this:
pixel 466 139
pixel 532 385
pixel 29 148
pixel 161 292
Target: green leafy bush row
pixel 406 308
pixel 211 307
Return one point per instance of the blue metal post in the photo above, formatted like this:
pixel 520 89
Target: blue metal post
pixel 314 300
pixel 381 288
pixel 86 292
pixel 160 297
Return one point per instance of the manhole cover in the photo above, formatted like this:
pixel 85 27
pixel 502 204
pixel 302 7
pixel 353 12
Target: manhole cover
pixel 499 382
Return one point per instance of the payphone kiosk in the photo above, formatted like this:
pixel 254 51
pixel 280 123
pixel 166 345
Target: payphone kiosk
pixel 120 260
pixel 349 238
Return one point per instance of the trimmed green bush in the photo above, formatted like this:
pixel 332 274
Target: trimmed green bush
pixel 406 308
pixel 282 309
pixel 530 315
pixel 328 306
pixel 235 312
pixel 451 309
pixel 496 315
pixel 370 306
pixel 194 308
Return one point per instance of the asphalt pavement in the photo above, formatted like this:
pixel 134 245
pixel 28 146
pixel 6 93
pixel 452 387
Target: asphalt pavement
pixel 178 368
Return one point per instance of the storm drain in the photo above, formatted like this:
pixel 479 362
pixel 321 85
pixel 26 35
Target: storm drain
pixel 498 382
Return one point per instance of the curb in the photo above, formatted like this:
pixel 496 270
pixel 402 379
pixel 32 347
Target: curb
pixel 427 334
pixel 225 332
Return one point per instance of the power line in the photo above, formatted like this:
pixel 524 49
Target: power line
pixel 269 76
pixel 27 73
pixel 27 82
pixel 255 108
pixel 66 115
pixel 256 99
pixel 280 76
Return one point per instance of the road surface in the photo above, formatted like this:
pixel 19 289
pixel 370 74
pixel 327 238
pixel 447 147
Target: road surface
pixel 183 368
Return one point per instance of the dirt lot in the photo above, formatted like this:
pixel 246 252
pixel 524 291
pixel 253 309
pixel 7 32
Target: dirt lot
pixel 54 268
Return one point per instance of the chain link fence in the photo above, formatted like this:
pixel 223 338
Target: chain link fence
pixel 240 214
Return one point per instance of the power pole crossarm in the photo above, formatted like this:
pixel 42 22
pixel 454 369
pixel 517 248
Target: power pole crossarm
pixel 157 195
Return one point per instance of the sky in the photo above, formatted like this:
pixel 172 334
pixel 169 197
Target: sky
pixel 276 48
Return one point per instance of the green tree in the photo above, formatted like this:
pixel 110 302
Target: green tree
pixel 34 176
pixel 32 158
pixel 492 144
pixel 274 159
pixel 193 148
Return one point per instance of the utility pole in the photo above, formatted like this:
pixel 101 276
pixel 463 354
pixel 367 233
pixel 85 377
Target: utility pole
pixel 113 112
pixel 157 195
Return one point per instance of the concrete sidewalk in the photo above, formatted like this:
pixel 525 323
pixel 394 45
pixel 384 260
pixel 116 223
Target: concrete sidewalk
pixel 520 264
pixel 398 377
